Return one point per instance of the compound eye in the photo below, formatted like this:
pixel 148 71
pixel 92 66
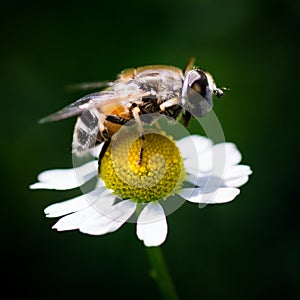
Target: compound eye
pixel 197 86
pixel 198 82
pixel 196 95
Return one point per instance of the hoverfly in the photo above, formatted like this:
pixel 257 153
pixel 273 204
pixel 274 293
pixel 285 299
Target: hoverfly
pixel 159 89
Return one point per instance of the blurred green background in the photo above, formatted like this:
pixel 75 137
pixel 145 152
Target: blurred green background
pixel 248 249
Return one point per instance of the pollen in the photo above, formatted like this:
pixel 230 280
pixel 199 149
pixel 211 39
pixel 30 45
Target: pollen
pixel 158 175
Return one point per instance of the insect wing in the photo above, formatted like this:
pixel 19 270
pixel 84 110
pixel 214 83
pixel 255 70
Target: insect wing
pixel 89 85
pixel 71 110
pixel 99 99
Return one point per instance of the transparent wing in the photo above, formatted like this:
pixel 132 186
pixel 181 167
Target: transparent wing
pixel 71 110
pixel 89 85
pixel 99 99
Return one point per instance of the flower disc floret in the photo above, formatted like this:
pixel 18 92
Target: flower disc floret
pixel 159 175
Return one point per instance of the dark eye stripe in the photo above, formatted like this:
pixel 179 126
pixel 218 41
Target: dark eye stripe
pixel 200 84
pixel 197 87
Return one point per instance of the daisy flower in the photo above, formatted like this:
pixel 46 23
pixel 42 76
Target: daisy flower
pixel 192 169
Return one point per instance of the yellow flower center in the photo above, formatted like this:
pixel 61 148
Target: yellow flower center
pixel 159 175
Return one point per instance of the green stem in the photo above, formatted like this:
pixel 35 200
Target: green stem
pixel 159 272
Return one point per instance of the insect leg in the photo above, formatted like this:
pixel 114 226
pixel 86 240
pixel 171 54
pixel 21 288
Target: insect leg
pixel 186 118
pixel 102 153
pixel 136 114
pixel 116 119
pixel 169 103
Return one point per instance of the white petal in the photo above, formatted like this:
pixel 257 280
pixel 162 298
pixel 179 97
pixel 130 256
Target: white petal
pixel 152 225
pixel 229 152
pixel 40 185
pixel 216 159
pixel 209 181
pixel 236 171
pixel 73 221
pixel 199 162
pixel 99 183
pixel 234 176
pixel 109 220
pixel 192 165
pixel 96 209
pixel 189 144
pixel 237 182
pixel 197 154
pixel 63 179
pixel 72 205
pixel 95 221
pixel 202 195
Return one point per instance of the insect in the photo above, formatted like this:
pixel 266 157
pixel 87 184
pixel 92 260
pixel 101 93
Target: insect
pixel 159 89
